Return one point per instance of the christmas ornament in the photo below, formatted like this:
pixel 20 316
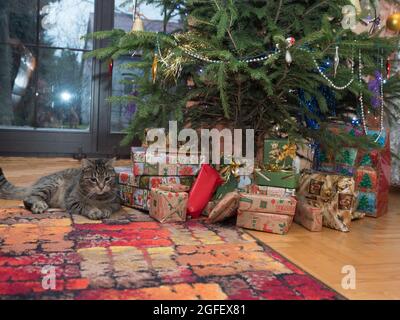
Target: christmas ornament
pixel 336 62
pixel 393 22
pixel 330 82
pixel 288 57
pixel 137 24
pixel 289 43
pixel 154 68
pixel 388 67
pixel 349 20
pixel 110 67
pixel 374 87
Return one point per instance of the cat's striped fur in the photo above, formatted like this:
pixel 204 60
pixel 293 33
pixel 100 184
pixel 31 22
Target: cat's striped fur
pixel 90 191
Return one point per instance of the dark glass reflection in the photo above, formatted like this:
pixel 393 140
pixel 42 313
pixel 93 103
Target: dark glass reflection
pixel 44 81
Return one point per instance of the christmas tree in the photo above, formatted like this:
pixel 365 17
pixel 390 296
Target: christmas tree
pixel 363 204
pixel 345 157
pixel 366 181
pixel 243 64
pixel 366 160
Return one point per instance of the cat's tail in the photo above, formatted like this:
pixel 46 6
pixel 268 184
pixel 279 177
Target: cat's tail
pixel 9 191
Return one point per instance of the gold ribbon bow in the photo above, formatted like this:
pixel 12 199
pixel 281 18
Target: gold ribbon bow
pixel 230 169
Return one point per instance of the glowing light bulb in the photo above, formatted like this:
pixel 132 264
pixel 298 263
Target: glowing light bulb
pixel 66 96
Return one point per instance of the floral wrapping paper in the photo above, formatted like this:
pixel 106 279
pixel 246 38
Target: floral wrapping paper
pixel 175 187
pixel 270 191
pixel 166 164
pixel 167 206
pixel 267 222
pixel 134 190
pixel 335 195
pixel 148 182
pixel 124 176
pixel 263 203
pixel 225 208
pixel 308 215
pixel 134 197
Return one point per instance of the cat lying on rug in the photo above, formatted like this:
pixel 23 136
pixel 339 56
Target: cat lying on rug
pixel 89 191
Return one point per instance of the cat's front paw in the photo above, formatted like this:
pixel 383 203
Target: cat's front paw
pixel 97 214
pixel 39 207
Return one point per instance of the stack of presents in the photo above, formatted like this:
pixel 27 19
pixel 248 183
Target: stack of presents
pixel 342 187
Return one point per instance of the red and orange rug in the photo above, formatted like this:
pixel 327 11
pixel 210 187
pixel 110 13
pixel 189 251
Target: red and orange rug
pixel 130 256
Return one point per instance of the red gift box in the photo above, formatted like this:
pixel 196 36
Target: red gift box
pixel 202 190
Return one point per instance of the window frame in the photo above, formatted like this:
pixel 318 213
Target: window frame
pixel 98 140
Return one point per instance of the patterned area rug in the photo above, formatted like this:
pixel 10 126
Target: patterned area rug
pixel 130 256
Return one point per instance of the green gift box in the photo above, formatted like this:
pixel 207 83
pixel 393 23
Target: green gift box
pixel 281 179
pixel 279 153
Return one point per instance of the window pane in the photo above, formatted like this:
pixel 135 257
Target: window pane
pixel 18 21
pixel 64 87
pixel 17 85
pixel 64 22
pixel 152 17
pixel 122 113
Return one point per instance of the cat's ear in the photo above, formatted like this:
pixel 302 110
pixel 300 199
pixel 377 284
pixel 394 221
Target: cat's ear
pixel 111 162
pixel 86 163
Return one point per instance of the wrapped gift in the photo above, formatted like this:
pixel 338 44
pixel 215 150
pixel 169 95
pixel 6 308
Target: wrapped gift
pixel 263 203
pixel 175 187
pixel 125 193
pixel 308 215
pixel 138 168
pixel 270 191
pixel 134 190
pixel 374 201
pixel 148 182
pixel 279 154
pixel 188 169
pixel 209 207
pixel 163 163
pixel 366 179
pixel 167 169
pixel 367 202
pixel 282 179
pixel 336 196
pixel 134 197
pixel 225 208
pixel 203 189
pixel 138 154
pixel 124 176
pixel 229 185
pixel 367 160
pixel 141 198
pixel 267 222
pixel 168 206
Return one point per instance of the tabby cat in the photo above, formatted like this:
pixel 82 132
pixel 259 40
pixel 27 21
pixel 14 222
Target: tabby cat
pixel 89 191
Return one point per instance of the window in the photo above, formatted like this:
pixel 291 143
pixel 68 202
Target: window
pixel 44 81
pixel 121 114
